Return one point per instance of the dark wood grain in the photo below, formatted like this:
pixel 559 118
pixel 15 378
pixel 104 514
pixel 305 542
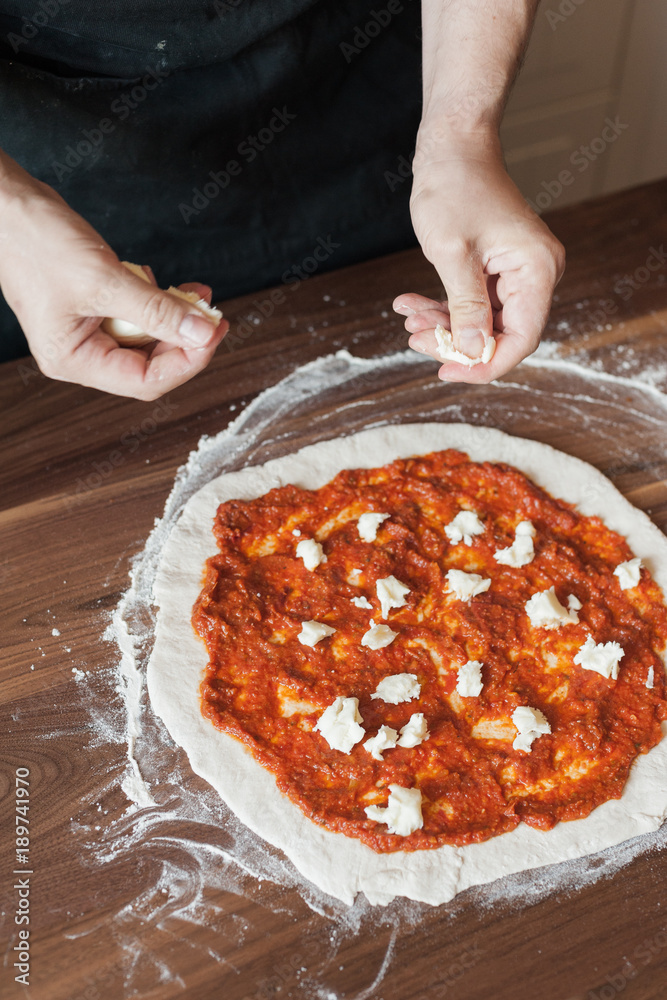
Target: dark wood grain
pixel 70 521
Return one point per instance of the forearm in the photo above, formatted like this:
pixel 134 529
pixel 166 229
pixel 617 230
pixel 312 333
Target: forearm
pixel 497 261
pixel 472 50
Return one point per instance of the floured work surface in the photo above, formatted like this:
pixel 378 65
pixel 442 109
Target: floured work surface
pixel 200 851
pixel 576 413
pixel 178 895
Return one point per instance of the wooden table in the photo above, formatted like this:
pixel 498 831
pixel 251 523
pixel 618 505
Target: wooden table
pixel 122 904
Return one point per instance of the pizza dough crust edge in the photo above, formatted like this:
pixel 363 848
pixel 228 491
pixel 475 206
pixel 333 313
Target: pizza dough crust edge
pixel 337 864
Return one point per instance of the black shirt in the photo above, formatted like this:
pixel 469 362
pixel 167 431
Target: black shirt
pixel 223 141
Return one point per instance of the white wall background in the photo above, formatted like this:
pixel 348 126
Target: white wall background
pixel 589 63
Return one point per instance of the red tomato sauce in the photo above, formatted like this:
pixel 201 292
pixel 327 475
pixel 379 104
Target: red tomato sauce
pixel 267 690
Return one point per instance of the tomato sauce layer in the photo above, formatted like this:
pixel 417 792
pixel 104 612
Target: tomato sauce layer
pixel 265 688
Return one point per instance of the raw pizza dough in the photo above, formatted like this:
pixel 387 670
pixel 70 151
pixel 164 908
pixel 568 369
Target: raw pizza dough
pixel 339 865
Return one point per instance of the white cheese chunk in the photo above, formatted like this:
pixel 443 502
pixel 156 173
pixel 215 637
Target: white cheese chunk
pixel 628 573
pixel 469 679
pixel 448 352
pixel 296 532
pixel 649 679
pixel 340 724
pixel 466 585
pixel 361 602
pixel 403 813
pixel 311 552
pixel 545 611
pixel 414 732
pixel 463 527
pixel 311 632
pixel 391 593
pixel 398 688
pixel 573 603
pixel 521 551
pixel 368 525
pixel 378 636
pixel 531 723
pixel 384 740
pixel 603 657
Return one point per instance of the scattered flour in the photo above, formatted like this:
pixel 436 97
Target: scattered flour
pixel 212 850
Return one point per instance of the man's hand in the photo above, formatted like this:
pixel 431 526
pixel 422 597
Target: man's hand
pixel 498 261
pixel 61 279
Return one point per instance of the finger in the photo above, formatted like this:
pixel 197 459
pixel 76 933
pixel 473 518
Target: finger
pixel 427 320
pixel 547 256
pixel 411 302
pixel 526 296
pixel 157 313
pixel 99 362
pixel 469 305
pixel 203 291
pixel 161 347
pixel 148 271
pixel 511 349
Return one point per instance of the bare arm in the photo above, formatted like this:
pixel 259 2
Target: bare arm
pixel 472 50
pixel 498 261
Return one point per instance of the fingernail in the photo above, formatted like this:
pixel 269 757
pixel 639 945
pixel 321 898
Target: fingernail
pixel 196 330
pixel 470 342
pixel 403 309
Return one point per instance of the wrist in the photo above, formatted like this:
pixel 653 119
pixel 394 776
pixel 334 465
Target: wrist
pixel 441 137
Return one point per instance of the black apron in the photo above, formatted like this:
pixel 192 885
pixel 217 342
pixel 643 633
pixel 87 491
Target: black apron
pixel 234 142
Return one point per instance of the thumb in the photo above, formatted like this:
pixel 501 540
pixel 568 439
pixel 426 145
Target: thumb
pixel 469 305
pixel 140 312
